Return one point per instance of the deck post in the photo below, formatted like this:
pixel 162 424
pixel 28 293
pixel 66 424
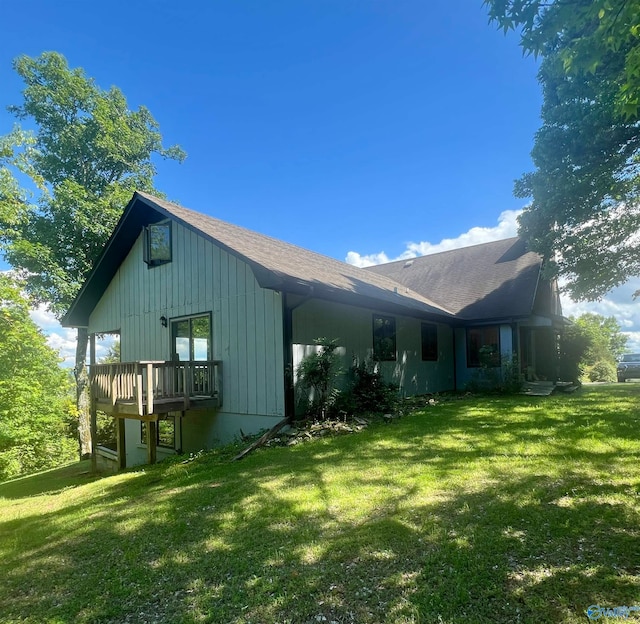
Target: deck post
pixel 152 435
pixel 187 373
pixel 93 414
pixel 113 378
pixel 121 443
pixel 139 390
pixel 150 388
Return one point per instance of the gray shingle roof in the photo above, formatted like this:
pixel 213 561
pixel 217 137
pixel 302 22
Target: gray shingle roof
pixel 280 265
pixel 277 265
pixel 481 282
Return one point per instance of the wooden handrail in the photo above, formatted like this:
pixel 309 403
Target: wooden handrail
pixel 144 382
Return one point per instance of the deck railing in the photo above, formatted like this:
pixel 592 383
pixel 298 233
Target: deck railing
pixel 147 382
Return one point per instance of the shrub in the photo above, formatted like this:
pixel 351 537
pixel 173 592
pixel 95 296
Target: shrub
pixel 317 374
pixel 602 371
pixel 504 379
pixel 368 391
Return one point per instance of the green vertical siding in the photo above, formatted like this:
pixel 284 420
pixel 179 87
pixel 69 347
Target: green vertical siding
pixel 246 326
pixel 353 328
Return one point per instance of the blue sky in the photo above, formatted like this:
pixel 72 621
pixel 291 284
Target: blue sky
pixel 341 126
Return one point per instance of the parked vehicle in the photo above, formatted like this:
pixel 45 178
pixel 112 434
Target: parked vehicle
pixel 629 367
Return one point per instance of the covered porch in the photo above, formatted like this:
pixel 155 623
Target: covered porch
pixel 540 353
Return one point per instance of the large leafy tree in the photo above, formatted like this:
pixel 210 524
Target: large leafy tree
pixel 85 157
pixel 584 217
pixel 36 407
pixel 603 344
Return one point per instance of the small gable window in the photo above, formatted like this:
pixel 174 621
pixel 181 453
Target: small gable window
pixel 157 244
pixel 483 346
pixel 384 338
pixel 429 342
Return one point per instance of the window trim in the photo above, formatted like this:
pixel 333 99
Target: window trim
pixel 143 431
pixel 431 355
pixel 149 260
pixel 190 317
pixel 379 356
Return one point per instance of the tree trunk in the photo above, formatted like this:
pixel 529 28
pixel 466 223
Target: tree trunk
pixel 82 394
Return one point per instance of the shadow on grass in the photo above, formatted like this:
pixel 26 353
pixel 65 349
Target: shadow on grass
pixel 49 482
pixel 420 521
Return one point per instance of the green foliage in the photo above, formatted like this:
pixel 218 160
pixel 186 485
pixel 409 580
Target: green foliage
pixel 590 347
pixel 113 353
pixel 368 391
pixel 573 346
pixel 584 34
pixel 586 187
pixel 106 424
pixel 503 377
pixel 602 371
pixel 480 511
pixel 88 154
pixel 605 339
pixel 316 378
pixel 604 344
pixel 36 409
pixel 365 391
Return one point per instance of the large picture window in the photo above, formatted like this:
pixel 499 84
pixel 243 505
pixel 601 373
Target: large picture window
pixel 191 338
pixel 157 244
pixel 384 338
pixel 483 346
pixel 429 342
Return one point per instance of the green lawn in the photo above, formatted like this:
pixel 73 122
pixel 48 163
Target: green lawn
pixel 521 509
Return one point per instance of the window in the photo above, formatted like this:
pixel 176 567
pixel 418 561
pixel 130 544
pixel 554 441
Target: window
pixel 429 342
pixel 191 338
pixel 483 346
pixel 384 338
pixel 165 431
pixel 157 244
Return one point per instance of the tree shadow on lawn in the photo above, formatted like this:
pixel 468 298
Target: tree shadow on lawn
pixel 336 529
pixel 50 482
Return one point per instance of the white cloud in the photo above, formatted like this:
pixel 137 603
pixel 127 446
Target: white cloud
pixel 618 303
pixel 64 339
pixel 506 227
pixel 42 317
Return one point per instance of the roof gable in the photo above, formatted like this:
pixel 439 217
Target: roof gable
pixel 277 265
pixel 488 281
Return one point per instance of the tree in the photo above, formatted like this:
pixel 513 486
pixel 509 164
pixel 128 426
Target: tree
pixel 583 34
pixel 113 353
pixel 585 211
pixel 36 407
pixel 597 343
pixel 86 157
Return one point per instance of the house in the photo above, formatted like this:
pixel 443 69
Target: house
pixel 213 319
pixel 500 298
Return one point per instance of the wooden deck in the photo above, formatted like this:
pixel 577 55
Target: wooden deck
pixel 147 389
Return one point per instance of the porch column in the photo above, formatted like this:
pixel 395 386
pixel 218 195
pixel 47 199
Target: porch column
pixel 93 415
pixel 152 436
pixel 121 443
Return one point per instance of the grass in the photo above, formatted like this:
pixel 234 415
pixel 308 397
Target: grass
pixel 522 509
